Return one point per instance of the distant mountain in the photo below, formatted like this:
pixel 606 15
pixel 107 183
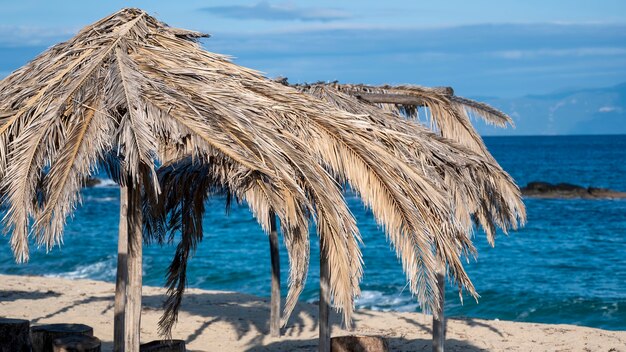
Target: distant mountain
pixel 584 111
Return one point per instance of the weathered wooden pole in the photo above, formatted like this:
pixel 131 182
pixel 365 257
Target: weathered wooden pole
pixel 439 321
pixel 382 98
pixel 324 326
pixel 133 289
pixel 399 98
pixel 122 274
pixel 275 299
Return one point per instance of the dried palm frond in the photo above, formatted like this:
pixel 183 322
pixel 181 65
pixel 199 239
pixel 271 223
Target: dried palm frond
pixel 480 189
pixel 449 114
pixel 184 181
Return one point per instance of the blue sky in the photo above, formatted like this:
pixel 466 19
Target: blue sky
pixel 482 48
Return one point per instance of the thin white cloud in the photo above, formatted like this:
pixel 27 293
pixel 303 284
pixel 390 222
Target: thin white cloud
pixel 277 12
pixel 606 109
pixel 32 36
pixel 535 53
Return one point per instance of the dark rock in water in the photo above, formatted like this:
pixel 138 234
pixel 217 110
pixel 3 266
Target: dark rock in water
pixel 92 182
pixel 568 191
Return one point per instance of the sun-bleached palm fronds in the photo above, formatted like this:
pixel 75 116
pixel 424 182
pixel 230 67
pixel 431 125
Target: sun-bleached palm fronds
pixel 479 188
pixel 448 114
pixel 486 112
pixel 186 184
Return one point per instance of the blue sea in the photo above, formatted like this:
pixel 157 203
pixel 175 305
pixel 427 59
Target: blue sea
pixel 568 265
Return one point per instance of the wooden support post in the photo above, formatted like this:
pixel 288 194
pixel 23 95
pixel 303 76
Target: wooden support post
pixel 122 274
pixel 399 98
pixel 133 289
pixel 390 98
pixel 275 299
pixel 324 333
pixel 439 323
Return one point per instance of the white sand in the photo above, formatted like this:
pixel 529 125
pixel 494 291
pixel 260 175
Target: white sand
pixel 228 321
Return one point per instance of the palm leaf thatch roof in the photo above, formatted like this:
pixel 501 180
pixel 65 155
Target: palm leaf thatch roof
pixel 449 114
pixel 478 190
pixel 129 92
pixel 497 200
pixel 481 191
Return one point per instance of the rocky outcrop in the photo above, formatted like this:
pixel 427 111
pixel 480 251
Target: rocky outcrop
pixel 92 182
pixel 538 189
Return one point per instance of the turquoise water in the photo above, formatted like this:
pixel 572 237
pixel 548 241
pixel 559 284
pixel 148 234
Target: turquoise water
pixel 568 265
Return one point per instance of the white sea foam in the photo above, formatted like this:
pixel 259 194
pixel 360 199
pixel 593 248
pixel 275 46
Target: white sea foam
pixel 100 199
pixel 106 182
pixel 104 270
pixel 377 300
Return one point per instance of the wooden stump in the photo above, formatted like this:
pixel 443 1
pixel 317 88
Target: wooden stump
pixel 76 343
pixel 358 344
pixel 14 335
pixel 164 346
pixel 44 335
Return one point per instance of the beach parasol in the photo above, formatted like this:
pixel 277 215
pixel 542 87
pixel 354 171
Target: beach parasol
pixel 477 185
pixel 129 92
pixel 449 116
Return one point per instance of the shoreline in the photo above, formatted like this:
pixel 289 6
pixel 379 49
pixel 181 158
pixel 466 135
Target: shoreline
pixel 232 321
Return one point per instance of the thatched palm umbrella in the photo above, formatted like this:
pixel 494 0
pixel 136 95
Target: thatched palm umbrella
pixel 477 187
pixel 128 92
pixel 450 116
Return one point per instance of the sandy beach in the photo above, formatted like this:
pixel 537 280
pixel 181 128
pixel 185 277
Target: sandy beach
pixel 230 321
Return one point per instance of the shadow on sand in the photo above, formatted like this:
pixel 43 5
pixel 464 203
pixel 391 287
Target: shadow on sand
pixel 244 313
pixel 249 317
pixel 249 313
pixel 395 344
pixel 8 296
